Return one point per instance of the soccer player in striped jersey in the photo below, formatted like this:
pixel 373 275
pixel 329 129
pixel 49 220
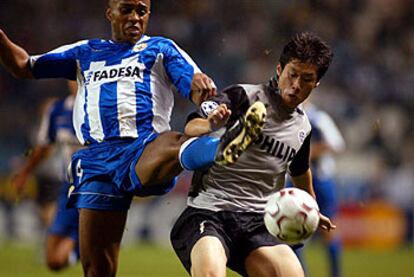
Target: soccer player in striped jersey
pixel 122 112
pixel 223 223
pixel 56 135
pixel 326 142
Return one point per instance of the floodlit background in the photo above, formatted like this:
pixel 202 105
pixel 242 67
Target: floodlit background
pixel 369 91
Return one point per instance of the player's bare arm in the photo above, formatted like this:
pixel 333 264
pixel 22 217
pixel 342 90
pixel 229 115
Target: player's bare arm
pixel 200 126
pixel 202 87
pixel 14 58
pixel 39 154
pixel 304 182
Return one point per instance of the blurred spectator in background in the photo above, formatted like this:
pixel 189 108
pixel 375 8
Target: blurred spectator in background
pixel 50 157
pixel 43 164
pixel 326 142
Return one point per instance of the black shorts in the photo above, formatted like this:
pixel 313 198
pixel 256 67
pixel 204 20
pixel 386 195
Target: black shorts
pixel 240 234
pixel 48 189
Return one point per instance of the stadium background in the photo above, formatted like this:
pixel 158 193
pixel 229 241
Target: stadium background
pixel 369 91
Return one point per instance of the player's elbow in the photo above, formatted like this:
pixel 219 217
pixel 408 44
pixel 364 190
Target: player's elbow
pixel 21 72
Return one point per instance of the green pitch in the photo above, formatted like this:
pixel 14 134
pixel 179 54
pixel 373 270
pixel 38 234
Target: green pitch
pixel 155 261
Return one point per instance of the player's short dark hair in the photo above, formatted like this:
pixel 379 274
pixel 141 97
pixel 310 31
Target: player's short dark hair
pixel 307 48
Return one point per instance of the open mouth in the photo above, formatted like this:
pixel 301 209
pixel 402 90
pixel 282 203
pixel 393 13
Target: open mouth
pixel 292 96
pixel 133 30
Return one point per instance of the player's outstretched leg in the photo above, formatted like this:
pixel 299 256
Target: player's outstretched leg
pixel 202 152
pixel 236 140
pixel 170 152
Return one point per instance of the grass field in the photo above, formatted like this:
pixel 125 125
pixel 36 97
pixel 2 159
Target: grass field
pixel 155 261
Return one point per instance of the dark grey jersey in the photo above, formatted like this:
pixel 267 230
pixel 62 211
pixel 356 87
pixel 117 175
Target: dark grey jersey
pixel 246 185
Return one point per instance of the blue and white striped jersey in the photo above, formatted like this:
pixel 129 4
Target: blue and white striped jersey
pixel 56 123
pixel 124 90
pixel 56 129
pixel 324 130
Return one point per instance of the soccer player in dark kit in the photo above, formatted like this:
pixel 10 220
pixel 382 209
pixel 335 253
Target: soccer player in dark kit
pixel 223 224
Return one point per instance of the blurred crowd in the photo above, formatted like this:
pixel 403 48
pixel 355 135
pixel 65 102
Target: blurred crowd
pixel 369 90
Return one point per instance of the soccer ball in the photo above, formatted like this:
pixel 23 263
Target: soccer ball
pixel 291 215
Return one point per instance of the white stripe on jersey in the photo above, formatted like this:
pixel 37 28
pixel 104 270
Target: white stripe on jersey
pixel 126 98
pixel 162 96
pixel 78 108
pixel 42 135
pixel 92 109
pixel 127 107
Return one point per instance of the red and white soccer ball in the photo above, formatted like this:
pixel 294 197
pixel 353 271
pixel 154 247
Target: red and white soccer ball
pixel 291 215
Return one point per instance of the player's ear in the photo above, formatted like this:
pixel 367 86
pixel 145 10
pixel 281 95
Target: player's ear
pixel 108 14
pixel 317 84
pixel 278 69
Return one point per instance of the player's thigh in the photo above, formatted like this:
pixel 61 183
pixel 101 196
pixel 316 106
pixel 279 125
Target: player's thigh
pixel 100 234
pixel 208 258
pixel 278 260
pixel 158 162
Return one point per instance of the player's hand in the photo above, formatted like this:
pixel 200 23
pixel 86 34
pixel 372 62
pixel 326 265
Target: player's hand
pixel 325 223
pixel 219 117
pixel 202 87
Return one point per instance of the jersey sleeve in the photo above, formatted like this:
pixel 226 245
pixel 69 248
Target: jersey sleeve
pixel 58 63
pixel 300 163
pixel 179 67
pixel 329 132
pixel 235 98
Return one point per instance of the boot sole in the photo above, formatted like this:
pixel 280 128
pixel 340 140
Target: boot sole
pixel 252 127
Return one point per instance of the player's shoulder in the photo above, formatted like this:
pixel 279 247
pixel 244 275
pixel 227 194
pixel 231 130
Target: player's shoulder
pixel 234 88
pixel 98 45
pixel 303 117
pixel 160 42
pixel 243 88
pixel 247 92
pixel 101 44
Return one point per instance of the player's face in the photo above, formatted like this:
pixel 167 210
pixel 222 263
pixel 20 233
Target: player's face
pixel 129 19
pixel 296 81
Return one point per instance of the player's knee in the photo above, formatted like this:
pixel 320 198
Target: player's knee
pixel 99 268
pixel 278 261
pixel 55 263
pixel 289 264
pixel 208 270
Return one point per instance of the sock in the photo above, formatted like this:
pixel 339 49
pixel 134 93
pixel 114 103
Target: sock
pixel 198 153
pixel 73 257
pixel 334 252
